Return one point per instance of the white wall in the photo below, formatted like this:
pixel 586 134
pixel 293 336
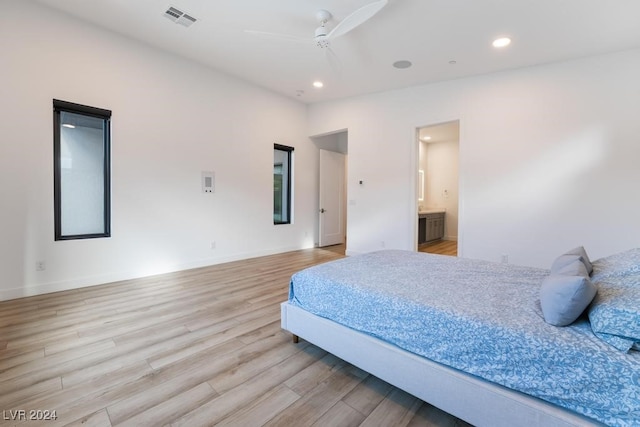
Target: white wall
pixel 338 142
pixel 548 159
pixel 171 120
pixel 441 173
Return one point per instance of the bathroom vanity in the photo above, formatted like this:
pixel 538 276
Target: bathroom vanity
pixel 430 225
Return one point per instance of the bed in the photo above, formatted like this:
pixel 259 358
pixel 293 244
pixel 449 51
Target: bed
pixel 470 336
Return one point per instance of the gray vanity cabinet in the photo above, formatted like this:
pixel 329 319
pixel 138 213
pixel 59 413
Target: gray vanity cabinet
pixel 430 227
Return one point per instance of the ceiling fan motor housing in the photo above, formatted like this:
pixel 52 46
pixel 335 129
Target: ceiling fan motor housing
pixel 321 31
pixel 322 42
pixel 321 38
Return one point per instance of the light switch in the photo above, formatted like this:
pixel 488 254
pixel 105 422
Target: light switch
pixel 208 182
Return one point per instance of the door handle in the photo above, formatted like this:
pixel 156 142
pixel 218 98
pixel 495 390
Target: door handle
pixel 321 210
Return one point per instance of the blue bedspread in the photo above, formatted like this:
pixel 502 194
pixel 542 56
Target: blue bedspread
pixel 479 317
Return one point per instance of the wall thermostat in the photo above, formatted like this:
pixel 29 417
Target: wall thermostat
pixel 208 182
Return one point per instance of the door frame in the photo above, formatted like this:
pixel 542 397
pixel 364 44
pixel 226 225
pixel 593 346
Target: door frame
pixel 333 141
pixel 415 181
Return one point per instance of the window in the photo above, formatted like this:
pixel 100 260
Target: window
pixel 282 168
pixel 81 141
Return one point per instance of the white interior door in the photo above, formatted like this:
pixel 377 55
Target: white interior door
pixel 332 196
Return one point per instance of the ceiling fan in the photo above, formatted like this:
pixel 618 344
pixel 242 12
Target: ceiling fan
pixel 323 36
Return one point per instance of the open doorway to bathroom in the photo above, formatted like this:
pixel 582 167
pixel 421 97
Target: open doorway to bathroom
pixel 437 175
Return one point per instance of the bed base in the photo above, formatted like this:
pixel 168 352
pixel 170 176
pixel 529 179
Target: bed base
pixel 467 397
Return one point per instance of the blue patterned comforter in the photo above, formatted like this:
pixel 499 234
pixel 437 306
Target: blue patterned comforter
pixel 479 317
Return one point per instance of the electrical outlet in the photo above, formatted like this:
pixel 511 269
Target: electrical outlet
pixel 504 259
pixel 213 244
pixel 382 244
pixel 41 266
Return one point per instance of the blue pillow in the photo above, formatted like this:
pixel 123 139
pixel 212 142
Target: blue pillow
pixel 563 298
pixel 615 316
pixel 617 265
pixel 615 312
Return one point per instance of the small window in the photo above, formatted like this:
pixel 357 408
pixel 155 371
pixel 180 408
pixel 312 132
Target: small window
pixel 81 141
pixel 282 168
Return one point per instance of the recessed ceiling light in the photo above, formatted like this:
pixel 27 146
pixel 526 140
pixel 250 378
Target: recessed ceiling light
pixel 318 84
pixel 67 125
pixel 426 138
pixel 453 62
pixel 502 42
pixel 402 64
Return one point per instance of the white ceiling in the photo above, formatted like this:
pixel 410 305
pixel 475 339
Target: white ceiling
pixel 429 33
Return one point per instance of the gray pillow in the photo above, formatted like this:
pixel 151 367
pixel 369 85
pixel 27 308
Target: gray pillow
pixel 565 260
pixel 573 268
pixel 583 257
pixel 564 298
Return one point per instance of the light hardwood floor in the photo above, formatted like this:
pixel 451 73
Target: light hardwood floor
pixel 199 347
pixel 440 247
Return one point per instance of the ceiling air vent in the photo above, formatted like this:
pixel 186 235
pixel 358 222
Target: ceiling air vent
pixel 179 17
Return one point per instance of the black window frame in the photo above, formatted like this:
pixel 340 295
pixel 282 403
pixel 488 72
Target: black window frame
pixel 70 107
pixel 289 151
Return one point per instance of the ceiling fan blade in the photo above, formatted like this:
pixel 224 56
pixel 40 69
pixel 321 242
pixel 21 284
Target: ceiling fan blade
pixel 333 60
pixel 356 18
pixel 276 36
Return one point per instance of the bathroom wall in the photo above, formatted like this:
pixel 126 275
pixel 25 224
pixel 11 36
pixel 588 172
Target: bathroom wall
pixel 441 182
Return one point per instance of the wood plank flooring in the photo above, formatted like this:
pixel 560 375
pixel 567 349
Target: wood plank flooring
pixel 193 348
pixel 440 247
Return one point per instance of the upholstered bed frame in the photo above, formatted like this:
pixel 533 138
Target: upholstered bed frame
pixel 474 400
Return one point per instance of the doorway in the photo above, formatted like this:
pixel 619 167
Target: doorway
pixel 332 188
pixel 437 185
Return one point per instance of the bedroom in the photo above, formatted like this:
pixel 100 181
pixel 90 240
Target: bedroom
pixel 547 154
